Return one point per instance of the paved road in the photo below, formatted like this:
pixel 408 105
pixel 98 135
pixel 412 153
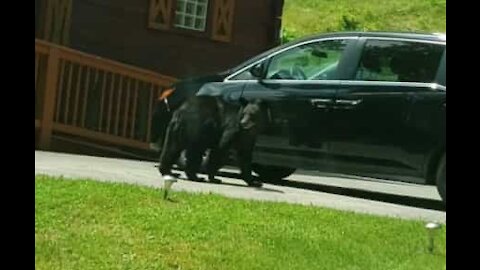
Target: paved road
pixel 145 173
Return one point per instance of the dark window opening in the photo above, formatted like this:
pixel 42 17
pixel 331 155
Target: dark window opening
pixel 399 61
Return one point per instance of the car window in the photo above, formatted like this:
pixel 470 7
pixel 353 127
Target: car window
pixel 399 61
pixel 313 61
pixel 246 75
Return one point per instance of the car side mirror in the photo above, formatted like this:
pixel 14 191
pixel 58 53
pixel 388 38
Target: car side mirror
pixel 257 71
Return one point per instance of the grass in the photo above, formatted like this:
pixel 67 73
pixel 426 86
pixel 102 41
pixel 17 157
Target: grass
pixel 91 225
pixel 303 17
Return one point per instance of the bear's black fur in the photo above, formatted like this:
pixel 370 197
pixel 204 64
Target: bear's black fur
pixel 203 123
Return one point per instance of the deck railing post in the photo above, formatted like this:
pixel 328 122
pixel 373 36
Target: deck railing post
pixel 49 98
pixel 59 88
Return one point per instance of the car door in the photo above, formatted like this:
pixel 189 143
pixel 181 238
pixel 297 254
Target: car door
pixel 372 127
pixel 298 87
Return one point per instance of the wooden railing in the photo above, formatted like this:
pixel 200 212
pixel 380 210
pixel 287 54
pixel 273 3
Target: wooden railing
pixel 91 97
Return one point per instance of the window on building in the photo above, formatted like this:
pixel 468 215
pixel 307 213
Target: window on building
pixel 201 18
pixel 191 14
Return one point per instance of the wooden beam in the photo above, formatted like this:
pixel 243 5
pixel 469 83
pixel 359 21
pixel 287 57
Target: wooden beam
pixel 101 147
pixel 49 99
pixel 108 65
pixel 99 136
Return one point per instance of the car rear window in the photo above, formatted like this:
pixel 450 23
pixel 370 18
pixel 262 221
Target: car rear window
pixel 399 61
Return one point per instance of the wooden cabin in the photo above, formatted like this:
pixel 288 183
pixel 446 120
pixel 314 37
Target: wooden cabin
pixel 100 64
pixel 178 38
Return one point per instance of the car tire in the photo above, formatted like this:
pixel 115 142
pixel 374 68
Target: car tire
pixel 441 179
pixel 272 173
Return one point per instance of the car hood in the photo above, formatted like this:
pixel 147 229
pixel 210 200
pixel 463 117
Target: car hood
pixel 190 86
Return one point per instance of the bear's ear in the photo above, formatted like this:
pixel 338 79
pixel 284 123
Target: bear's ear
pixel 243 101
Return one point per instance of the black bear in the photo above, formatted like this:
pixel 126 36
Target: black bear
pixel 204 123
pixel 239 131
pixel 194 127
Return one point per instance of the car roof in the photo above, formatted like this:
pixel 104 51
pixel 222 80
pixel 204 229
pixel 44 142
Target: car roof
pixel 439 37
pixel 436 37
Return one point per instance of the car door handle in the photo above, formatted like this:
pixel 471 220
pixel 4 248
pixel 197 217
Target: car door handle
pixel 321 102
pixel 348 102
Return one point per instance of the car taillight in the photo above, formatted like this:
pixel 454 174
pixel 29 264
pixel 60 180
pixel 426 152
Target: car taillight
pixel 166 93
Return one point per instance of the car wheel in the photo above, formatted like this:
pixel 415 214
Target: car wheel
pixel 441 179
pixel 272 173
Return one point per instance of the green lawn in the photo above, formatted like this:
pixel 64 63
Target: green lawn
pixel 92 225
pixel 302 17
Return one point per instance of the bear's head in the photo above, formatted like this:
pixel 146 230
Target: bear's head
pixel 249 113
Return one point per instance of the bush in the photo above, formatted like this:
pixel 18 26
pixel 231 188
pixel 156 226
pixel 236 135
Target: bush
pixel 289 35
pixel 349 23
